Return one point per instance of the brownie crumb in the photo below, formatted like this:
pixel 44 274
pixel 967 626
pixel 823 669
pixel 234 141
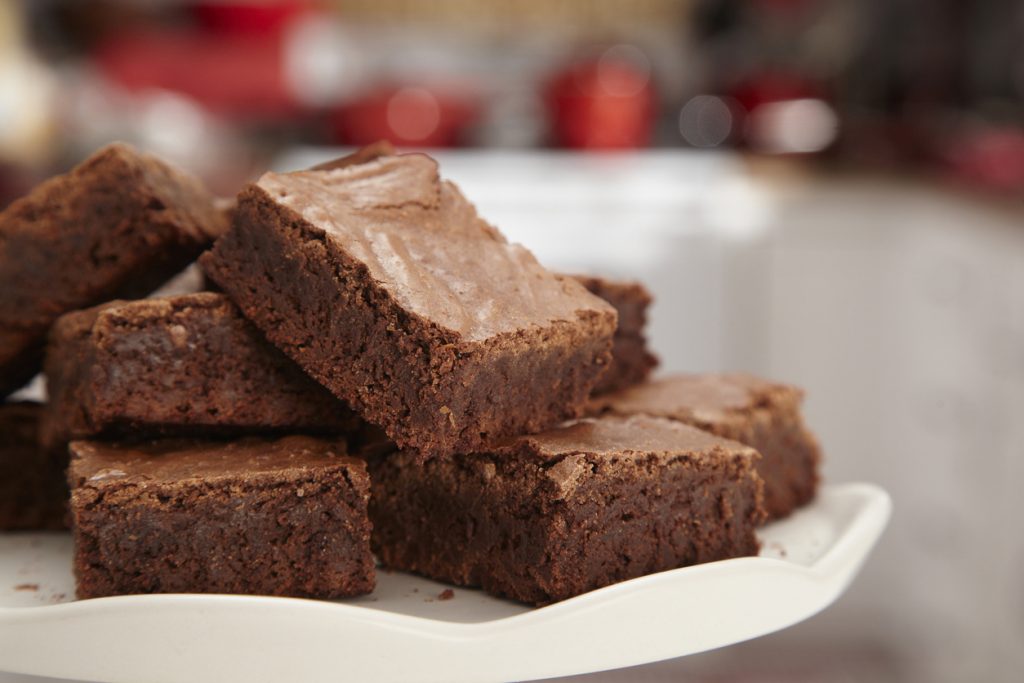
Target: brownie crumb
pixel 120 224
pixel 455 339
pixel 446 594
pixel 129 502
pixel 760 413
pixel 27 587
pixel 542 518
pixel 33 489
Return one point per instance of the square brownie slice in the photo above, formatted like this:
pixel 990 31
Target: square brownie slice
pixel 762 414
pixel 381 281
pixel 256 516
pixel 186 365
pixel 117 225
pixel 632 361
pixel 33 490
pixel 543 518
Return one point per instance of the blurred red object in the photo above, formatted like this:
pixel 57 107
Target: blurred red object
pixel 251 17
pixel 406 116
pixel 768 87
pixel 605 103
pixel 238 76
pixel 990 158
pixel 785 113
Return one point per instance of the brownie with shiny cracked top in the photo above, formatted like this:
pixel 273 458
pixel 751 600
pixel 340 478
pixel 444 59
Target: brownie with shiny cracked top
pixel 187 365
pixel 283 517
pixel 545 517
pixel 380 280
pixel 760 413
pixel 632 362
pixel 33 491
pixel 117 225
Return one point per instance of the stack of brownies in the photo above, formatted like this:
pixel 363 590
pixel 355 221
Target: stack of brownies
pixel 379 371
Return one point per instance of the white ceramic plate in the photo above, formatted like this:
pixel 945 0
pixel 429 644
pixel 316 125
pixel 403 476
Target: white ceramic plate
pixel 404 631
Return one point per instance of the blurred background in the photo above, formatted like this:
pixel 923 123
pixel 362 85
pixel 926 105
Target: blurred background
pixel 826 192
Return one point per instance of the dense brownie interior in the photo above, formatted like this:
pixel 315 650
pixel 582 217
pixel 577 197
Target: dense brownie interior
pixel 185 365
pixel 545 517
pixel 118 225
pixel 382 282
pixel 371 280
pixel 762 414
pixel 33 491
pixel 632 362
pixel 270 517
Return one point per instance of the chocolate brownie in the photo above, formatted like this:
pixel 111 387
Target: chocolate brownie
pixel 762 414
pixel 269 517
pixel 185 365
pixel 33 491
pixel 118 225
pixel 632 362
pixel 543 518
pixel 382 282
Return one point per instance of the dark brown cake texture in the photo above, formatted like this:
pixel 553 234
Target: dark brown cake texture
pixel 632 361
pixel 381 281
pixel 283 517
pixel 33 491
pixel 762 414
pixel 118 225
pixel 543 518
pixel 187 365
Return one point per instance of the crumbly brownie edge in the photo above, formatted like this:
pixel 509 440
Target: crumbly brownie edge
pixel 69 357
pixel 632 363
pixel 638 517
pixel 417 369
pixel 115 371
pixel 33 491
pixel 305 535
pixel 498 522
pixel 161 226
pixel 632 360
pixel 254 387
pixel 790 454
pixel 631 299
pixel 423 523
pixel 774 426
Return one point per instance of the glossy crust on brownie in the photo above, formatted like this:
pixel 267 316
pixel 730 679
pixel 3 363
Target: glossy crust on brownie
pixel 186 365
pixel 762 414
pixel 281 517
pixel 381 281
pixel 117 225
pixel 546 517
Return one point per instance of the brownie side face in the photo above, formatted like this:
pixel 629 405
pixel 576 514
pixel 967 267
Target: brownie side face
pixel 117 225
pixel 632 361
pixel 762 414
pixel 33 491
pixel 547 517
pixel 283 517
pixel 180 365
pixel 382 282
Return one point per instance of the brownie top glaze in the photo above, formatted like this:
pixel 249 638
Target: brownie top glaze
pixel 423 242
pixel 634 436
pixel 175 460
pixel 703 398
pixel 608 445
